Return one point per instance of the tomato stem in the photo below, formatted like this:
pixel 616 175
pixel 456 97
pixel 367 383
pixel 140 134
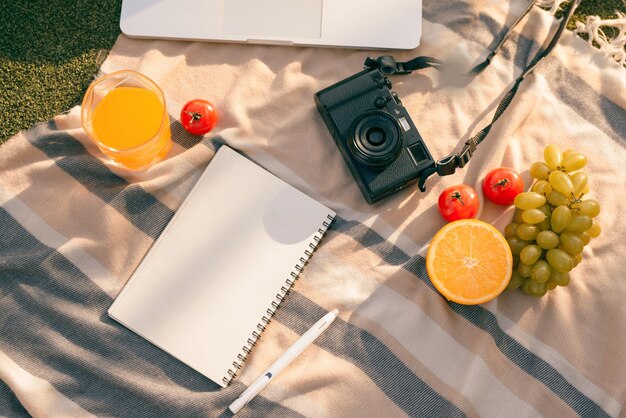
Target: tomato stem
pixel 457 195
pixel 501 183
pixel 195 116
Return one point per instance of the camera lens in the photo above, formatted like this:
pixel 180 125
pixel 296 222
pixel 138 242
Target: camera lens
pixel 376 140
pixel 375 136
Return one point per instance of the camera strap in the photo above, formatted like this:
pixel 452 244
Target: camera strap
pixel 389 66
pixel 448 165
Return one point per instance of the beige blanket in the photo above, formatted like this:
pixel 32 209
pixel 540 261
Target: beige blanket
pixel 73 228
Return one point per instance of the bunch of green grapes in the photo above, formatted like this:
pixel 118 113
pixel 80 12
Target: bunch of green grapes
pixel 552 223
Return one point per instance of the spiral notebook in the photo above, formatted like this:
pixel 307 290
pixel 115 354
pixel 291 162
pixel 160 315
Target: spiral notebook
pixel 213 279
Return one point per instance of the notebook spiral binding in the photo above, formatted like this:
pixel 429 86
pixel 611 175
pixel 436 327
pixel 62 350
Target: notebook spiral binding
pixel 284 290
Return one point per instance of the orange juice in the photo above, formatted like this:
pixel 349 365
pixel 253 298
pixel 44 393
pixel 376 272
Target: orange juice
pixel 124 113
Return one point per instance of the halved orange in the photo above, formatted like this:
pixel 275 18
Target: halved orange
pixel 469 262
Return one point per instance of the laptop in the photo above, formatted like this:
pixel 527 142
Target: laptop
pixel 395 24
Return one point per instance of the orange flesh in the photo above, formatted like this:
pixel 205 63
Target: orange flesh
pixel 469 262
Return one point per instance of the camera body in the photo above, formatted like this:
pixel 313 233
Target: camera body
pixel 374 132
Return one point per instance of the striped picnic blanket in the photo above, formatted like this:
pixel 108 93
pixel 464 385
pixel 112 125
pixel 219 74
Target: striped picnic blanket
pixel 73 228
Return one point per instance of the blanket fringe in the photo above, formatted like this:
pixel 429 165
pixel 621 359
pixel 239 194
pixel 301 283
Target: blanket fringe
pixel 598 30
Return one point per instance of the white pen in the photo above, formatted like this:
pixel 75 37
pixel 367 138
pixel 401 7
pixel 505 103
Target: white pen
pixel 283 361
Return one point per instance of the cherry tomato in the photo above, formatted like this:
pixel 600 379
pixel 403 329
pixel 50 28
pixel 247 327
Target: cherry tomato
pixel 502 185
pixel 458 202
pixel 198 116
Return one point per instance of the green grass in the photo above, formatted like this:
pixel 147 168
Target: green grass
pixel 49 53
pixel 51 50
pixel 603 8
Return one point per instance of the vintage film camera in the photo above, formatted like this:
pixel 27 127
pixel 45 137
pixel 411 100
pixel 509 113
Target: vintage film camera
pixel 374 133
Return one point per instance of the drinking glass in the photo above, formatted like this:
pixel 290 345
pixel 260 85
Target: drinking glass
pixel 124 113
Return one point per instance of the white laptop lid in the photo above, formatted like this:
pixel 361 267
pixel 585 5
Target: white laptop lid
pixel 394 24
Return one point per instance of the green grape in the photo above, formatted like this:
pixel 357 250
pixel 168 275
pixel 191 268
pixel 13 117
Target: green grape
pixel 529 200
pixel 561 183
pixel 557 199
pixel 537 289
pixel 515 282
pixel 540 271
pixel 524 286
pixel 561 218
pixel 569 152
pixel 579 258
pixel 516 244
pixel 585 189
pixel 527 232
pixel 575 261
pixel 539 170
pixel 589 208
pixel 579 180
pixel 559 260
pixel 533 216
pixel 547 240
pixel 574 162
pixel 524 269
pixel 579 223
pixel 511 230
pixel 542 187
pixel 544 225
pixel 517 218
pixel 585 237
pixel 552 155
pixel 530 254
pixel 572 243
pixel 551 284
pixel 595 230
pixel 545 209
pixel 516 260
pixel 559 277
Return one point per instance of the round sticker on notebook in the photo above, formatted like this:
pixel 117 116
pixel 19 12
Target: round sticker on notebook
pixel 280 221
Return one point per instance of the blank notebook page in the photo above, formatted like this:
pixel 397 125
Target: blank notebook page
pixel 217 267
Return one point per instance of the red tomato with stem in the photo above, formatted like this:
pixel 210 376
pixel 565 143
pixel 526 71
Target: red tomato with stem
pixel 198 116
pixel 458 202
pixel 501 185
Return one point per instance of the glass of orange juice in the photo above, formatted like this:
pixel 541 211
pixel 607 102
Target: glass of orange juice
pixel 124 114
